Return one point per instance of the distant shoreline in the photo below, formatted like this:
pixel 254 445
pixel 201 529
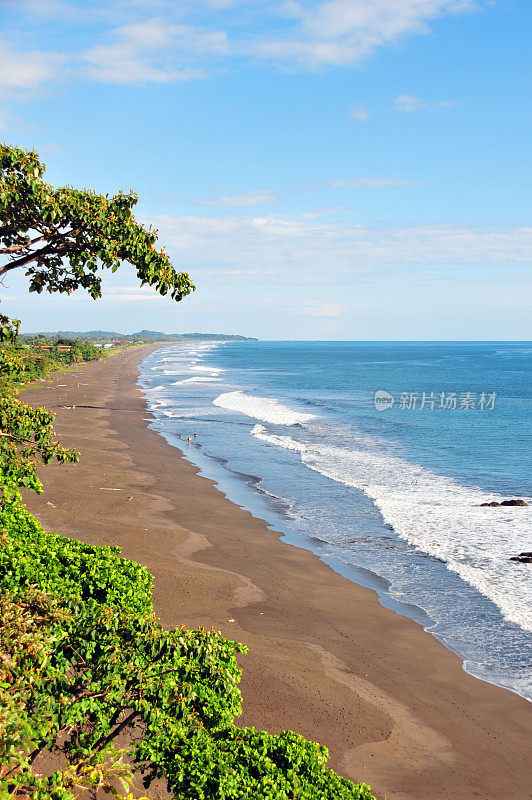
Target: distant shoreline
pixel 141 337
pixel 392 704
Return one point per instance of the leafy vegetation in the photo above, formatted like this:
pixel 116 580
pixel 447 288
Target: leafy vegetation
pixel 83 660
pixel 23 363
pixel 63 237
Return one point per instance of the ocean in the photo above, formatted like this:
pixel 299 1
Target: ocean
pixel 377 456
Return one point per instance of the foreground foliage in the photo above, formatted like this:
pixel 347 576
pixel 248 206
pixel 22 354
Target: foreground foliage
pixel 84 662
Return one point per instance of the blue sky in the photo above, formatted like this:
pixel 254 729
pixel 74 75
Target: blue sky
pixel 350 169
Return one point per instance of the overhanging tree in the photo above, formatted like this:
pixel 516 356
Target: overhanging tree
pixel 64 237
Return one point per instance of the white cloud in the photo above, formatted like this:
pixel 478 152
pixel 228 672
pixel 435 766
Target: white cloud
pixel 373 183
pixel 10 122
pixel 251 198
pixel 189 40
pixel 304 251
pixel 53 148
pixel 405 102
pixel 360 113
pixel 338 32
pixel 318 308
pixel 152 51
pixel 26 72
pixel 324 212
pixel 409 103
pixel 118 294
pixel 50 9
pixel 384 18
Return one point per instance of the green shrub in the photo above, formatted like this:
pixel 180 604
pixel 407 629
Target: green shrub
pixel 84 659
pixel 32 557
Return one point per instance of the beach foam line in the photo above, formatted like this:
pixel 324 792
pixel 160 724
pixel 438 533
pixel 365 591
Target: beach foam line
pixel 263 408
pixel 212 370
pixel 437 515
pixel 159 402
pixel 198 379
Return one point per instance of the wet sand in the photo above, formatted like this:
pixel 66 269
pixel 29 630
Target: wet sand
pixel 394 707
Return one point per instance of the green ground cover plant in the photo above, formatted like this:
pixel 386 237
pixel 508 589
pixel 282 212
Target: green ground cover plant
pixel 89 675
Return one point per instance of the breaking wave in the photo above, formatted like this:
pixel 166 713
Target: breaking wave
pixel 437 515
pixel 263 408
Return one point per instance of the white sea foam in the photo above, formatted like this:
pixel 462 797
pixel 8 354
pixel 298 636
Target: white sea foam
pixel 212 370
pixel 192 368
pixel 263 408
pixel 197 379
pixel 437 515
pixel 158 404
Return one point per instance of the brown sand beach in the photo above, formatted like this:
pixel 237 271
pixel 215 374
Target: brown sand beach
pixel 394 707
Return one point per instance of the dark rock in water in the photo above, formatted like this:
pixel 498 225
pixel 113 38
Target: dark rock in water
pixel 505 503
pixel 522 558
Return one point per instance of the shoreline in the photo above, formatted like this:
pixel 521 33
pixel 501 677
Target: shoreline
pixel 392 704
pixel 238 488
pixel 433 591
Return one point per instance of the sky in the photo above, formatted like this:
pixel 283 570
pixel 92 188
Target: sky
pixel 330 169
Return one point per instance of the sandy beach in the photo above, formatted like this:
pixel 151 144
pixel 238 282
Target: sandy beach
pixel 394 707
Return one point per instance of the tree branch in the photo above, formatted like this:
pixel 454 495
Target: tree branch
pixel 57 243
pixel 15 247
pixel 27 259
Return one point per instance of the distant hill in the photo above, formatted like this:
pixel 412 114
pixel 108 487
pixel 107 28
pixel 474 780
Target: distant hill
pixel 144 335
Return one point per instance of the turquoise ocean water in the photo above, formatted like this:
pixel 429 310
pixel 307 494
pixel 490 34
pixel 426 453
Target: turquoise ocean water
pixel 389 495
